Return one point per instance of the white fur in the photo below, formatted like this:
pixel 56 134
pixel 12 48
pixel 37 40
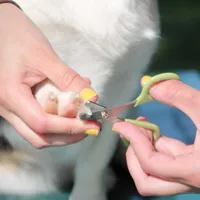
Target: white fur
pixel 109 41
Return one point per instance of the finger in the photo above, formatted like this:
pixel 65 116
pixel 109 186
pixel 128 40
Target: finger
pixel 88 81
pixel 151 186
pixel 171 146
pixel 179 95
pixel 27 109
pixel 144 119
pixel 70 126
pixel 145 131
pixel 22 103
pixel 41 141
pixel 155 163
pixel 167 145
pixel 66 78
pixel 57 140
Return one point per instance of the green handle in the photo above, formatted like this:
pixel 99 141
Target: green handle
pixel 146 125
pixel 144 96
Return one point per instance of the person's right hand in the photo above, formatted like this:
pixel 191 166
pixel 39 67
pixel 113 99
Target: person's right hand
pixel 26 59
pixel 175 167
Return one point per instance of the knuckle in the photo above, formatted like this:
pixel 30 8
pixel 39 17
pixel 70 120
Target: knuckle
pixel 6 92
pixel 70 131
pixel 176 89
pixel 181 91
pixel 146 168
pixel 40 124
pixel 146 165
pixel 69 78
pixel 39 145
pixel 193 180
pixel 195 100
pixel 79 138
pixel 143 190
pixel 74 130
pixel 4 101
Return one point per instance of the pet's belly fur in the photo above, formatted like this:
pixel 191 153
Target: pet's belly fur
pixel 109 41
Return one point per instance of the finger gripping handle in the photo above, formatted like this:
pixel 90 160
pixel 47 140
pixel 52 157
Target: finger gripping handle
pixel 146 125
pixel 145 96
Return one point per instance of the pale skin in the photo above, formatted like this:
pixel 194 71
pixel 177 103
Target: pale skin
pixel 174 168
pixel 26 59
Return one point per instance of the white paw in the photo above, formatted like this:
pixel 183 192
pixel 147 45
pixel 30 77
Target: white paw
pixel 53 101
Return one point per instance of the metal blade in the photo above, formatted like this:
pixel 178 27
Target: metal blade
pixel 95 109
pixel 104 113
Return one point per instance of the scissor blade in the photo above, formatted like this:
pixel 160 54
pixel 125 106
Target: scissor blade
pixel 105 113
pixel 113 113
pixel 94 116
pixel 94 107
pixel 96 110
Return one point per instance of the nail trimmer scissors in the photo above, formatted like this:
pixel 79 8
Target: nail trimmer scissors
pixel 100 112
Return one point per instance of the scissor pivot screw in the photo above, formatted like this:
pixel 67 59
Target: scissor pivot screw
pixel 104 115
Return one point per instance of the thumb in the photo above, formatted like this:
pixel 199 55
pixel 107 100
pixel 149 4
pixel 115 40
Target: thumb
pixel 66 78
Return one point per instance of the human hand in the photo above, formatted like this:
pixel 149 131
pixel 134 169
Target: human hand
pixel 26 59
pixel 174 168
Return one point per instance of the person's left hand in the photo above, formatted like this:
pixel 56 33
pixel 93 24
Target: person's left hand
pixel 27 59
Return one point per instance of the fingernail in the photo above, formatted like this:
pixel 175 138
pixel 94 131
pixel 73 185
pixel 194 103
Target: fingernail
pixel 145 79
pixel 114 130
pixel 88 94
pixel 142 119
pixel 52 97
pixel 93 132
pixel 52 104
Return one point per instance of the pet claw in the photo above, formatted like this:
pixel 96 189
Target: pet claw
pixel 52 97
pixel 52 104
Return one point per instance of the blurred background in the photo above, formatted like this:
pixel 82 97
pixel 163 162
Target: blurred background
pixel 178 51
pixel 179 47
